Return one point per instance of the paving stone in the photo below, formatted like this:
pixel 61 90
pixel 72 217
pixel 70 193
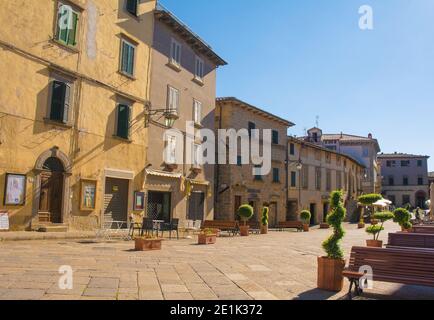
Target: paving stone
pixel 178 296
pixel 23 294
pixel 262 295
pixel 76 290
pixel 167 288
pixel 103 283
pixel 100 292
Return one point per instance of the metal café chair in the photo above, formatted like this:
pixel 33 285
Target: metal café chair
pixel 134 225
pixel 147 226
pixel 170 227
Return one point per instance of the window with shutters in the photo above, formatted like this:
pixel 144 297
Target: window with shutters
pixel 172 100
pixel 123 121
pixel 132 6
pixel 199 69
pixel 128 52
pixel 67 24
pixel 60 101
pixel 170 149
pixel 175 53
pixel 275 137
pixel 197 112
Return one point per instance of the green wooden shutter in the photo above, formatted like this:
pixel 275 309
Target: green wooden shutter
pixel 62 34
pixel 58 100
pixel 66 104
pixel 123 125
pixel 72 33
pixel 131 60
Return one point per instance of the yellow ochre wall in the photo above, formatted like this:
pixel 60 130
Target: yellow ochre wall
pixel 29 57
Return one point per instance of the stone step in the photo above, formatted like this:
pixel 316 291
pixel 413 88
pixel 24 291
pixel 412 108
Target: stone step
pixel 53 228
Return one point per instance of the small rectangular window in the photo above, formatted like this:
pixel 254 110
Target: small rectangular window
pixel 127 57
pixel 419 163
pixel 420 181
pixel 239 161
pixel 252 126
pixel 172 99
pixel 405 163
pixel 197 112
pixel 405 181
pixel 199 69
pixel 292 149
pixel 67 25
pixel 175 53
pixel 123 121
pixel 276 175
pixel 293 179
pixel 60 101
pixel 275 137
pixel 391 181
pixel 132 7
pixel 318 176
pixel 258 177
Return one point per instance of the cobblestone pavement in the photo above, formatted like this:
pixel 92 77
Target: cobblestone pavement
pixel 280 265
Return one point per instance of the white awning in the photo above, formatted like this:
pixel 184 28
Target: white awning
pixel 163 174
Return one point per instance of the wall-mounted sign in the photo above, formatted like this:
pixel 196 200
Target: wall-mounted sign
pixel 88 195
pixel 15 190
pixel 4 220
pixel 139 201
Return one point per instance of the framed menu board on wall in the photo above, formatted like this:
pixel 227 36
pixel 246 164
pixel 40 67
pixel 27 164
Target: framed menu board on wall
pixel 88 195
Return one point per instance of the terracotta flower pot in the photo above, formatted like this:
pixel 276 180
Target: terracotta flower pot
pixel 264 229
pixel 330 276
pixel 324 226
pixel 147 244
pixel 361 226
pixel 244 231
pixel 374 222
pixel 205 239
pixel 374 243
pixel 306 227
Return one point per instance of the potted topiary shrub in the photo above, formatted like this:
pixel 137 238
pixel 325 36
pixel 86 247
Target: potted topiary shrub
pixel 245 213
pixel 264 220
pixel 375 230
pixel 148 243
pixel 207 236
pixel 368 200
pixel 305 216
pixel 330 268
pixel 403 217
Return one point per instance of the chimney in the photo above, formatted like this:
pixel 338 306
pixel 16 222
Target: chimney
pixel 370 136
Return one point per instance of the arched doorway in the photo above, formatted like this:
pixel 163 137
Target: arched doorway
pixel 421 198
pixel 51 187
pixel 51 194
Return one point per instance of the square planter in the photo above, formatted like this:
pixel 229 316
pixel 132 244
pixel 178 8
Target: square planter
pixel 148 244
pixel 264 229
pixel 330 276
pixel 206 239
pixel 244 231
pixel 324 226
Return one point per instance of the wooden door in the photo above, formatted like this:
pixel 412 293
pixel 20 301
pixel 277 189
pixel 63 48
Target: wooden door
pixel 116 200
pixel 196 206
pixel 51 194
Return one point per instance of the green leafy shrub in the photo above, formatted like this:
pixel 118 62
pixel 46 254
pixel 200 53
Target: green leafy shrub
pixel 264 219
pixel 403 217
pixel 370 199
pixel 375 231
pixel 305 216
pixel 332 245
pixel 384 216
pixel 245 212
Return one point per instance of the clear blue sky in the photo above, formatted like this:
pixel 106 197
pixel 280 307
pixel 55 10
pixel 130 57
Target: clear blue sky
pixel 305 58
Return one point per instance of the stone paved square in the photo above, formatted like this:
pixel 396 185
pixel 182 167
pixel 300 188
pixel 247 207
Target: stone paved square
pixel 280 265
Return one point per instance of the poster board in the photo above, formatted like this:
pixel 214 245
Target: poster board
pixel 4 221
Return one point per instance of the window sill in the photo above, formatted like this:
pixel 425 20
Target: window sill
pixel 174 66
pixel 131 77
pixel 57 123
pixel 198 81
pixel 65 46
pixel 122 139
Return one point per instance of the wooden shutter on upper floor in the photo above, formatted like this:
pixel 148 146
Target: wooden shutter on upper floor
pixel 132 7
pixel 60 101
pixel 123 125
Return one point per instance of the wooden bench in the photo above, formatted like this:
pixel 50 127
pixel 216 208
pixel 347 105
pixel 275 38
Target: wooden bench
pixel 411 240
pixel 290 225
pixel 228 226
pixel 423 229
pixel 412 266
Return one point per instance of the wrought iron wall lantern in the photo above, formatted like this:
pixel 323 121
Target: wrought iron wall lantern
pixel 156 115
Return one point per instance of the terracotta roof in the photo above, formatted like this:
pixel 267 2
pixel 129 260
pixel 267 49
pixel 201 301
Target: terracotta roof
pixel 350 138
pixel 319 147
pixel 401 156
pixel 251 107
pixel 165 16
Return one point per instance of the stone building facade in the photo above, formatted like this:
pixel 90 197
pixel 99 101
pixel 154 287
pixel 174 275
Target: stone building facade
pixel 313 173
pixel 235 183
pixel 75 87
pixel 183 84
pixel 405 179
pixel 363 149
